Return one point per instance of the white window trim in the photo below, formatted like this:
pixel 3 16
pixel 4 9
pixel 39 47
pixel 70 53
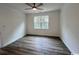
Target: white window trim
pixel 41 28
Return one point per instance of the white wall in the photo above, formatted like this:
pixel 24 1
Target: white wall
pixel 70 27
pixel 54 18
pixel 12 25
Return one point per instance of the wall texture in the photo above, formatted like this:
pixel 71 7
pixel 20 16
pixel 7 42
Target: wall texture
pixel 70 27
pixel 54 18
pixel 12 25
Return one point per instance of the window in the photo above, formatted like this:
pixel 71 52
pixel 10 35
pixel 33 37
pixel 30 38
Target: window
pixel 41 22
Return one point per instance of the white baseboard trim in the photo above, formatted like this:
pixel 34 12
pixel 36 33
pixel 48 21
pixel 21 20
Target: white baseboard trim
pixel 11 42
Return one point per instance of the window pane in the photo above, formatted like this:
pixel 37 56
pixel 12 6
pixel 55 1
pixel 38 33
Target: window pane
pixel 41 22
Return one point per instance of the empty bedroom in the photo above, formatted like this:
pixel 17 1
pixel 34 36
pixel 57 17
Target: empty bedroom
pixel 39 28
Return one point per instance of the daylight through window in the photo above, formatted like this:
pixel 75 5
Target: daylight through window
pixel 41 22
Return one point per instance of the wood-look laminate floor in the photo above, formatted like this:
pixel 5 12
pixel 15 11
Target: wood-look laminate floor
pixel 35 45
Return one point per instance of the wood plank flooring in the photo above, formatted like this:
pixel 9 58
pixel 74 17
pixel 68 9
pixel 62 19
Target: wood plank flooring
pixel 35 45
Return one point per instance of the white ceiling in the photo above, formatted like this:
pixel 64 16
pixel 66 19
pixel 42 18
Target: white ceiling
pixel 46 7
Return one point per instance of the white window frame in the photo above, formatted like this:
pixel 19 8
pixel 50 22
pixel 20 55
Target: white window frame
pixel 41 19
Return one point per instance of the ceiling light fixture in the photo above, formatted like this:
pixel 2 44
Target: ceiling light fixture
pixel 34 9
